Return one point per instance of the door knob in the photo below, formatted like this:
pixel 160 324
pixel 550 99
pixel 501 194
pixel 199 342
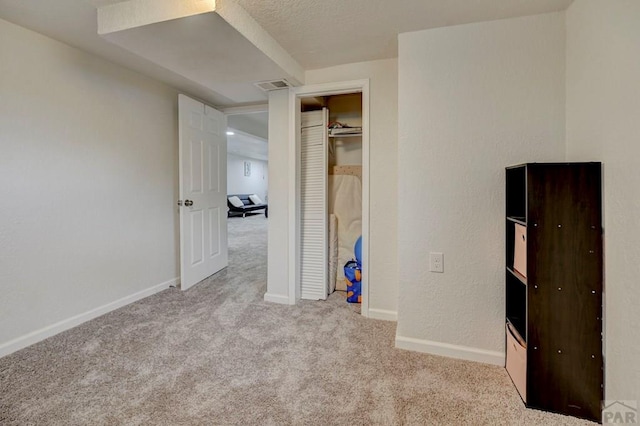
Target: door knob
pixel 188 203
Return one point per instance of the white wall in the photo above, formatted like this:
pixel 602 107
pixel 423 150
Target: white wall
pixel 277 258
pixel 603 124
pixel 472 99
pixel 238 183
pixel 383 117
pixel 88 181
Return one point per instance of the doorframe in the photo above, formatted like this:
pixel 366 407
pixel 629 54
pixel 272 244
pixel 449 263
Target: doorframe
pixel 295 95
pixel 247 110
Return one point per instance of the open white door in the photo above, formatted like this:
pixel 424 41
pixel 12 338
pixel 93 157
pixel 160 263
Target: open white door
pixel 203 191
pixel 313 205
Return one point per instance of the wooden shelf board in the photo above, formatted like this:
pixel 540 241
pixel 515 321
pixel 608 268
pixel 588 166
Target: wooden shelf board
pixel 518 275
pixel 346 135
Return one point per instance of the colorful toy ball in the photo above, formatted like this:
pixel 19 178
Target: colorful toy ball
pixel 357 248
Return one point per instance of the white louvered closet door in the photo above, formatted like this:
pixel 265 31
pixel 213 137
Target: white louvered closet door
pixel 313 205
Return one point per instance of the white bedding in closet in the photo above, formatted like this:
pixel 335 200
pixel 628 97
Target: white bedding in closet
pixel 345 202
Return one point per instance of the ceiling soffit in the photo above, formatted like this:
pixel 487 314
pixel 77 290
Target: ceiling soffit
pixel 194 38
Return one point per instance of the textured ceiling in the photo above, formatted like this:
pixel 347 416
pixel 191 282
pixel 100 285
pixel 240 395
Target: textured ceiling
pixel 255 124
pixel 247 145
pixel 322 33
pixel 250 135
pixel 100 3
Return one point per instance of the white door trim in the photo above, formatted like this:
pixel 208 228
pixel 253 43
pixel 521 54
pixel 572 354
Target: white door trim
pixel 325 89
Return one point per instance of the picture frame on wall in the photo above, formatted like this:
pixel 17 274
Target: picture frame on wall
pixel 247 168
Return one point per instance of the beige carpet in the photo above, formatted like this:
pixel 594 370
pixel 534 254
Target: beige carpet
pixel 219 355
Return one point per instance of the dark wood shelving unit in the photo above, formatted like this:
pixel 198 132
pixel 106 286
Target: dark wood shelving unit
pixel 554 308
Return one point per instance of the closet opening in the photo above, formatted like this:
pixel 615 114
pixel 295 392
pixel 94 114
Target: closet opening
pixel 331 193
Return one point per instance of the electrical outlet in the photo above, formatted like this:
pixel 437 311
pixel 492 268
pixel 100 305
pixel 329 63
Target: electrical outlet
pixel 436 262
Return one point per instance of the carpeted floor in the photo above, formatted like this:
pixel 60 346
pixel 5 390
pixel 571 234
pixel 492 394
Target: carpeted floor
pixel 219 355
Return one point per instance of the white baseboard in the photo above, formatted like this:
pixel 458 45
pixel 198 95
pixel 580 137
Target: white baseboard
pixel 276 298
pixel 452 351
pixel 51 330
pixel 383 314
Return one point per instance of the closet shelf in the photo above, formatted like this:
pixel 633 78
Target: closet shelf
pixel 346 135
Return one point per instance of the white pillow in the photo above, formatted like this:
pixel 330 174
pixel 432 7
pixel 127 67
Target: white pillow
pixel 235 201
pixel 255 199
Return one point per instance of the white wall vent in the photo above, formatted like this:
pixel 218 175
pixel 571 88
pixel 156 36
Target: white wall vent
pixel 267 86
